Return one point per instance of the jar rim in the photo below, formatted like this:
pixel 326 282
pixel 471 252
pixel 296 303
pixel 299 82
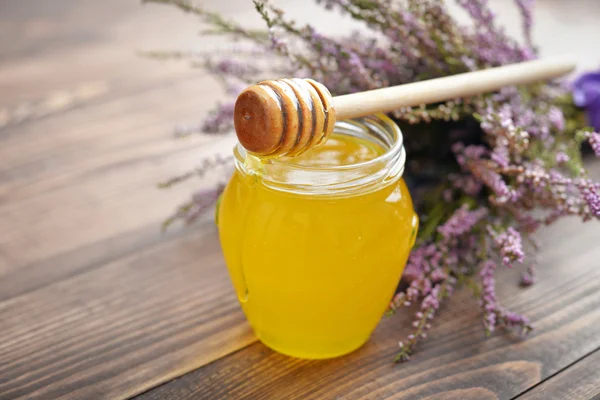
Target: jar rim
pixel 357 177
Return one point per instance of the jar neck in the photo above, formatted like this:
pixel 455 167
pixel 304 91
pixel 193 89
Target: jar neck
pixel 343 180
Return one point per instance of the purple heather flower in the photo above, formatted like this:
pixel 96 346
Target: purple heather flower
pixel 510 246
pixel 590 196
pixel 561 157
pixel 526 9
pixel 594 141
pixel 232 67
pixel 491 44
pixel 461 222
pixel 501 156
pixel 494 182
pixel 528 277
pixel 202 200
pixel 417 29
pixel 479 11
pixel 488 295
pixel 412 293
pixel 586 93
pixel 220 120
pixel 277 44
pixel 467 183
pixel 438 275
pixel 557 118
pixel 422 260
pixel 527 119
pixel 426 286
pixel 495 315
pixel 322 43
pixel 465 154
pixel 432 299
pixel 330 4
pixel 414 266
pixel 514 320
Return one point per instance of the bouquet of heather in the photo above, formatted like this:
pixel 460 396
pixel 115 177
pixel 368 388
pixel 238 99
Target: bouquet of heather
pixel 505 163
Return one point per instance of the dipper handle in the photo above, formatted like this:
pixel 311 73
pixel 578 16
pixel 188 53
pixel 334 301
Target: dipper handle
pixel 291 116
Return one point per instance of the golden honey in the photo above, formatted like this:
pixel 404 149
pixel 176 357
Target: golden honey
pixel 314 252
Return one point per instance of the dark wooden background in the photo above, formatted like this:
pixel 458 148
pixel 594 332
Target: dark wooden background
pixel 96 304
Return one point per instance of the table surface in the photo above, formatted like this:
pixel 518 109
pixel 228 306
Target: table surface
pixel 96 303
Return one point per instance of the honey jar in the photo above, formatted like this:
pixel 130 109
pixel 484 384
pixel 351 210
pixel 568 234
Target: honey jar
pixel 316 244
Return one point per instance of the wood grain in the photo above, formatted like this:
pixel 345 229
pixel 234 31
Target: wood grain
pixel 124 326
pixel 577 382
pixel 96 175
pixel 83 175
pixel 94 301
pixel 456 361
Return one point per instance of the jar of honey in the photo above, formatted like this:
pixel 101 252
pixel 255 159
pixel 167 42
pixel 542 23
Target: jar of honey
pixel 316 244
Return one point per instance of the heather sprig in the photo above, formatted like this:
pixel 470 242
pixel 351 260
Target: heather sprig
pixel 505 163
pixel 218 24
pixel 200 202
pixel 204 198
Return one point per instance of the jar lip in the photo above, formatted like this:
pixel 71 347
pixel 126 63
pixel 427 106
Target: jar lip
pixel 335 180
pixel 384 157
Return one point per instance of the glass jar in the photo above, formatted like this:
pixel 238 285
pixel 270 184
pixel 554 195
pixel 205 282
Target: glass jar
pixel 315 253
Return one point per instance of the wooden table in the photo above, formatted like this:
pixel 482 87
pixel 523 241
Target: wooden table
pixel 95 303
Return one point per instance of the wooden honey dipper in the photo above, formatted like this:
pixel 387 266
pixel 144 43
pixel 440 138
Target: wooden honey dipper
pixel 290 116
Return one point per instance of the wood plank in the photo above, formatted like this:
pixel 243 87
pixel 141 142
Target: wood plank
pixel 72 44
pixel 115 132
pixel 456 361
pixel 95 176
pixel 79 209
pixel 85 219
pixel 82 259
pixel 577 382
pixel 123 327
pixel 80 177
pixel 84 52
